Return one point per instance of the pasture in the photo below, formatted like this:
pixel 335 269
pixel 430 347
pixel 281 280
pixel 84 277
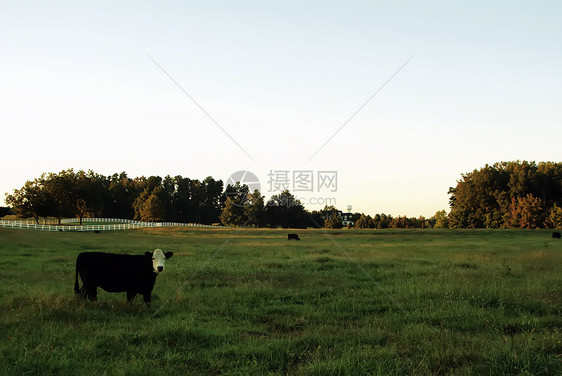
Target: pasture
pixel 249 302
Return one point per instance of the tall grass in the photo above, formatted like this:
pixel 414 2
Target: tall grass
pixel 248 302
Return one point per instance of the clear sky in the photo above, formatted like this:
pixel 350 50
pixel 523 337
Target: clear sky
pixel 78 89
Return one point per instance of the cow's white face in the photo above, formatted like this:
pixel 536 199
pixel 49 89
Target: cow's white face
pixel 159 259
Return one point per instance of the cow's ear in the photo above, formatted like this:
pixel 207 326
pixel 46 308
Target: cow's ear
pixel 148 254
pixel 168 254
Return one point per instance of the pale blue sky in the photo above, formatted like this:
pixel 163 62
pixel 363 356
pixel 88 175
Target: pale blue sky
pixel 78 90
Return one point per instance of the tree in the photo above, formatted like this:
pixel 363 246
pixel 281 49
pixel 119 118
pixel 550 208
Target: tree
pixel 89 194
pixel 238 192
pixel 82 194
pixel 315 219
pixel 554 219
pixel 377 221
pixel 441 219
pixel 499 196
pixel 153 203
pixel 31 200
pixel 400 222
pixel 511 215
pixel 255 208
pixel 364 221
pixel 62 191
pixel 182 203
pixel 333 221
pixel 121 194
pixel 233 213
pixel 286 211
pixel 4 210
pixel 422 222
pixel 384 221
pixel 153 207
pixel 211 204
pixel 529 212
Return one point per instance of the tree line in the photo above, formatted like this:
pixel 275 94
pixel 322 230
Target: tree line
pixel 508 195
pixel 88 194
pixel 244 208
pixel 504 195
pixel 176 199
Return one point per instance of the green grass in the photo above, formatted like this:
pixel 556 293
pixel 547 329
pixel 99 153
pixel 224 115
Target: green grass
pixel 248 302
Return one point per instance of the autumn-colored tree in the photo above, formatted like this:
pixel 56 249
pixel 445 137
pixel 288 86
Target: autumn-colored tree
pixel 364 221
pixel 529 212
pixel 554 219
pixel 498 196
pixel 333 221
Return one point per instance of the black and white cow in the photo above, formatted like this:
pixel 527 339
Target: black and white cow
pixel 134 274
pixel 293 236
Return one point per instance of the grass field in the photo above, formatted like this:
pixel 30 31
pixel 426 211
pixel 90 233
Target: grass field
pixel 248 302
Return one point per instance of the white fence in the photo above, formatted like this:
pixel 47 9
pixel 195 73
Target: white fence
pixel 115 224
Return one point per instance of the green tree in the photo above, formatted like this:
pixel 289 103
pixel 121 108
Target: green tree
pixel 441 219
pixel 255 208
pixel 121 194
pixel 182 203
pixel 89 194
pixel 153 208
pixel 315 219
pixel 286 211
pixel 32 200
pixel 152 204
pixel 233 213
pixel 4 210
pixel 211 204
pixel 63 195
pixel 422 222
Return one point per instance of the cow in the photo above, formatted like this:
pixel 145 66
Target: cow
pixel 134 274
pixel 293 236
pixel 556 235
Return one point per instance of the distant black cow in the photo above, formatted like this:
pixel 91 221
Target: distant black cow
pixel 556 235
pixel 293 236
pixel 134 274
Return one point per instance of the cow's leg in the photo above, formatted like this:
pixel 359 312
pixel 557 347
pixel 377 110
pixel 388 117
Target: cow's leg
pixel 147 299
pixel 92 293
pixel 130 296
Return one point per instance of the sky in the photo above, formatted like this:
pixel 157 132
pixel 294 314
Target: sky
pixel 393 99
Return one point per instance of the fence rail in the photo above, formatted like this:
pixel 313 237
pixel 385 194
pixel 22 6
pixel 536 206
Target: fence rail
pixel 116 224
